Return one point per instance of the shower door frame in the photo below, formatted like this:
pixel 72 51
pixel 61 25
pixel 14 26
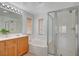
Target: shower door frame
pixel 52 33
pixel 76 18
pixel 48 33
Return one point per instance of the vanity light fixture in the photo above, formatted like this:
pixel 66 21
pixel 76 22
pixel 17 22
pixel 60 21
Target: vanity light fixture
pixel 8 7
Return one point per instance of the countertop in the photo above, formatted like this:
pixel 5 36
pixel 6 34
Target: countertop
pixel 11 36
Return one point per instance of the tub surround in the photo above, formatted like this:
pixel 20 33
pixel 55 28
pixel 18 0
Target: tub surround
pixel 14 46
pixel 38 47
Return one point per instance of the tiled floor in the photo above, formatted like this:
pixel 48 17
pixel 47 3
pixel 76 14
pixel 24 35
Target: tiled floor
pixel 29 54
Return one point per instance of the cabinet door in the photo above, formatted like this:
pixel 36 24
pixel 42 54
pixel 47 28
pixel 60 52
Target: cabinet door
pixel 2 48
pixel 22 45
pixel 11 47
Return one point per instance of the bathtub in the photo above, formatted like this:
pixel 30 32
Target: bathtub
pixel 38 47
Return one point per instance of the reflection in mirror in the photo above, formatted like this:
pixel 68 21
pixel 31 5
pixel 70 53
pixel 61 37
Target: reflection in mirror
pixel 40 25
pixel 10 21
pixel 29 25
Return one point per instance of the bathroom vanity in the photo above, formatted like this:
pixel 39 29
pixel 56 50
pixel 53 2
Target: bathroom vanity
pixel 14 46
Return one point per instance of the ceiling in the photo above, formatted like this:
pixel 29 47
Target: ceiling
pixel 42 7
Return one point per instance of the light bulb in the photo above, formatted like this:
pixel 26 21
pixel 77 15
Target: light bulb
pixel 11 7
pixel 8 6
pixel 3 4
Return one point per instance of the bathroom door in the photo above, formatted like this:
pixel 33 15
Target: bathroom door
pixel 67 42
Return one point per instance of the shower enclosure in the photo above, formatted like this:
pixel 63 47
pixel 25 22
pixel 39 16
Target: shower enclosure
pixel 62 32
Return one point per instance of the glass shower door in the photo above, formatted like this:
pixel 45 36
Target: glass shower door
pixel 62 40
pixel 67 42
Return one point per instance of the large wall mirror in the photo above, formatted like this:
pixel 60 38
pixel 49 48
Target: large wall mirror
pixel 10 21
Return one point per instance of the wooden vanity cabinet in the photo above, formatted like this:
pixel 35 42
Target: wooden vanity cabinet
pixel 14 47
pixel 11 47
pixel 22 45
pixel 2 48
